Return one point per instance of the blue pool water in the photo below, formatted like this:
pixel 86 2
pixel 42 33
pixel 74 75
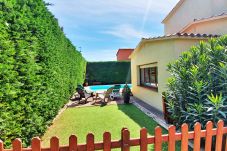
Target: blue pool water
pixel 104 87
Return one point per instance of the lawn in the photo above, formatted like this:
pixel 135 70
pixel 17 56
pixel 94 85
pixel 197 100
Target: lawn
pixel 112 118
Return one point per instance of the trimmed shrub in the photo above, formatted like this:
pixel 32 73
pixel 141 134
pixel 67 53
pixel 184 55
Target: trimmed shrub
pixel 40 69
pixel 197 90
pixel 111 72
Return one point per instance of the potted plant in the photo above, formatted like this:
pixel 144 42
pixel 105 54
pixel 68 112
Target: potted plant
pixel 126 94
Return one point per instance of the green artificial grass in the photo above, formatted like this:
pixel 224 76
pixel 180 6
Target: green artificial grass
pixel 96 120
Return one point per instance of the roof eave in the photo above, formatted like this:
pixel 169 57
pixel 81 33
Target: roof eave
pixel 136 49
pixel 201 21
pixel 144 40
pixel 173 11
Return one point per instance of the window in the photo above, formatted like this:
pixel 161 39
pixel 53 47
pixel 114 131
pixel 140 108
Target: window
pixel 149 76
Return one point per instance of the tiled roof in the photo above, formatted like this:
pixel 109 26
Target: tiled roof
pixel 210 18
pixel 214 16
pixel 130 49
pixel 176 36
pixel 183 35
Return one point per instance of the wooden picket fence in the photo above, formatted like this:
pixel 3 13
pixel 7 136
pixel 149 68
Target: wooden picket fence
pixel 126 142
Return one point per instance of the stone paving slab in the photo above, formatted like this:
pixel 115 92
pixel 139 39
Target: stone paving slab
pixel 150 111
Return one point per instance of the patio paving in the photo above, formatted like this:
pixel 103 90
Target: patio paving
pixel 95 102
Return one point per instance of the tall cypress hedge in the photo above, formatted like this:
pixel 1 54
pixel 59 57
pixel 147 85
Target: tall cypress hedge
pixel 109 72
pixel 39 69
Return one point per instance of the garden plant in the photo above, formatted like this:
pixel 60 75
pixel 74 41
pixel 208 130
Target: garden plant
pixel 126 92
pixel 197 89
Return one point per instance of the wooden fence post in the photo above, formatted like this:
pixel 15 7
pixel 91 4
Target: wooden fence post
pixel 107 141
pixel 90 142
pixel 158 139
pixel 143 139
pixel 219 136
pixel 184 137
pixel 54 144
pixel 1 145
pixel 36 144
pixel 208 143
pixel 197 136
pixel 17 145
pixel 172 139
pixel 125 140
pixel 122 132
pixel 122 137
pixel 72 143
pixel 226 143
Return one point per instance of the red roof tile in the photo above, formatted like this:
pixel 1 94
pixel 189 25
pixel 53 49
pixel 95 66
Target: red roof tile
pixel 183 35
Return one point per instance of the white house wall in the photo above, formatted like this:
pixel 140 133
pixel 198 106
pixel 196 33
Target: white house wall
pixel 193 9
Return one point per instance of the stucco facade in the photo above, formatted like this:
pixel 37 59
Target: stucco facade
pixel 159 52
pixel 187 10
pixel 123 54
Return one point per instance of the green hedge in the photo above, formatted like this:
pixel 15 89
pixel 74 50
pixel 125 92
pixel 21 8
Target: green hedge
pixel 110 72
pixel 39 69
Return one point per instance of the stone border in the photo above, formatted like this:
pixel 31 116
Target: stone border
pixel 151 115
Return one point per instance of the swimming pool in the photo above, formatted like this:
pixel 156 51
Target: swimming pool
pixel 104 87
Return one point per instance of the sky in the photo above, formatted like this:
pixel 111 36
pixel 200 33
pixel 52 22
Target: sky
pixel 98 28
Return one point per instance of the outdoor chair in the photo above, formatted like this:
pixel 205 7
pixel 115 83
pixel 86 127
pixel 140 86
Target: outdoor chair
pixel 115 92
pixel 83 95
pixel 111 93
pixel 106 94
